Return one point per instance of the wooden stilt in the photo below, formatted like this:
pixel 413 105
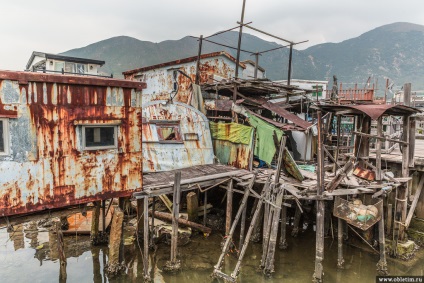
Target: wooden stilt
pixel 192 206
pixel 340 260
pixel 267 229
pixel 269 263
pixel 242 228
pixel 97 275
pixel 174 264
pixel 389 218
pixel 296 223
pixel 336 154
pixel 217 268
pixel 319 252
pixel 146 272
pixel 229 207
pixel 152 226
pixel 283 240
pixel 114 265
pixel 94 235
pixel 378 174
pixel 256 234
pixel 205 205
pixel 382 263
pixel 140 222
pixel 61 252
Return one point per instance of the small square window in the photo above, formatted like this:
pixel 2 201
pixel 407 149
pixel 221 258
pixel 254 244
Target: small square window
pixel 169 133
pixel 99 137
pixel 4 136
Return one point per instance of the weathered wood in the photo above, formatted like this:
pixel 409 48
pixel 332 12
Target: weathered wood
pixel 175 216
pixel 242 228
pixel 152 226
pixel 146 239
pixel 341 174
pixel 267 227
pixel 269 263
pixel 336 154
pixel 283 240
pixel 402 198
pixel 166 202
pixel 382 264
pixel 182 221
pixel 411 139
pixel 340 260
pixel 229 239
pixel 61 253
pixel 380 138
pixel 114 265
pixel 249 232
pixel 192 206
pixel 229 210
pixel 296 222
pixel 140 208
pixel 415 201
pixel 94 234
pixel 389 217
pixel 280 158
pixel 319 248
pixel 378 176
pixel 205 204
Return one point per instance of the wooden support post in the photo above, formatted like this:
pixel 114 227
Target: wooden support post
pixel 319 252
pixel 269 263
pixel 267 228
pixel 103 216
pixel 256 234
pixel 378 174
pixel 283 241
pixel 402 198
pixel 336 154
pixel 140 222
pixel 389 218
pixel 340 260
pixel 229 239
pixel 174 264
pixel 412 129
pixel 280 158
pixel 94 235
pixel 229 207
pixel 382 263
pixel 97 274
pixel 296 222
pixel 415 201
pixel 114 265
pixel 146 272
pixel 242 229
pixel 362 145
pixel 61 252
pixel 152 226
pixel 192 206
pixel 205 205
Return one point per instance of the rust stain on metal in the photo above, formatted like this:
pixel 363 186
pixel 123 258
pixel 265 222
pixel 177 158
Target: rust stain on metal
pixel 47 166
pixel 364 173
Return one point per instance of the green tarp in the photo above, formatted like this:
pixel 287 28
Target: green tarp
pixel 264 143
pixel 232 132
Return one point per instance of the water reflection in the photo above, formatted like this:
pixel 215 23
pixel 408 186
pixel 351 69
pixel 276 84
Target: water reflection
pixel 30 254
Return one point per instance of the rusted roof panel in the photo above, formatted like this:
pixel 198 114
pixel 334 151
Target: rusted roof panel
pixel 288 115
pixel 372 110
pixel 25 77
pixel 181 61
pixel 47 166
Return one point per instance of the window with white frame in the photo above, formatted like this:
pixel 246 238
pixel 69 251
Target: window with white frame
pixel 4 136
pixel 100 137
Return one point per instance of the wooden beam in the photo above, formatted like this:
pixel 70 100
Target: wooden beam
pixel 380 138
pixel 415 201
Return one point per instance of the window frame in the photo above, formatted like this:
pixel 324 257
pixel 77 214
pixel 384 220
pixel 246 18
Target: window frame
pixel 115 136
pixel 177 131
pixel 5 136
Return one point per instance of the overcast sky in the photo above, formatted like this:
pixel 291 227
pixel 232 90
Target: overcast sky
pixel 55 26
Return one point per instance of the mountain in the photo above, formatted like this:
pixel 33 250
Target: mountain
pixel 394 51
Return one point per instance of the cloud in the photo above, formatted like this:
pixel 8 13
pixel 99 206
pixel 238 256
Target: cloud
pixel 56 26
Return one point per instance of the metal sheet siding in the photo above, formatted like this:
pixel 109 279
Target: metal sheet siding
pixel 159 156
pixel 47 166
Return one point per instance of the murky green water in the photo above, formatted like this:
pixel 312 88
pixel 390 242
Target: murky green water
pixel 28 255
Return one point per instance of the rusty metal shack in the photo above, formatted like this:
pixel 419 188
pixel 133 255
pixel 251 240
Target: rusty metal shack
pixel 67 140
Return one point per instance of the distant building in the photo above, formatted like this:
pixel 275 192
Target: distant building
pixel 52 63
pixel 165 78
pixel 319 88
